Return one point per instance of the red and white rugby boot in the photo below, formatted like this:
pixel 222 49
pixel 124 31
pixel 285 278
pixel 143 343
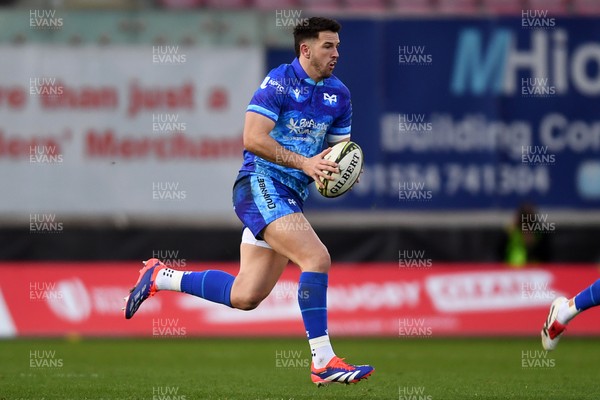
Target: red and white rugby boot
pixel 337 370
pixel 553 329
pixel 144 288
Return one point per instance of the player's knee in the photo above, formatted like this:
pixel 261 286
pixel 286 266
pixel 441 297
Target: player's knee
pixel 318 262
pixel 248 301
pixel 324 262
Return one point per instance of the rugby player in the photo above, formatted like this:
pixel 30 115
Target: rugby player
pixel 296 108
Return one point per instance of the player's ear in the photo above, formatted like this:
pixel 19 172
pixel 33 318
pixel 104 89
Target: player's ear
pixel 305 49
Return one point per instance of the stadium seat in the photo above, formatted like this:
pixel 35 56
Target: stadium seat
pixel 418 7
pixel 512 7
pixel 321 5
pixel 586 7
pixel 276 4
pixel 93 4
pixel 180 3
pixel 365 5
pixel 226 4
pixel 556 7
pixel 459 7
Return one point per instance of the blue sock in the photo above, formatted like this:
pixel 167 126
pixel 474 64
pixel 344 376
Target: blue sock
pixel 211 285
pixel 312 298
pixel 589 297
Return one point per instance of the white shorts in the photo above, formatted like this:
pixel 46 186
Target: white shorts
pixel 248 238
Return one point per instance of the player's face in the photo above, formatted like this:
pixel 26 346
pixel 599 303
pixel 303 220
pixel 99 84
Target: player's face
pixel 324 54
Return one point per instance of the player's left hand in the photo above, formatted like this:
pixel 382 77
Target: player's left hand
pixel 357 179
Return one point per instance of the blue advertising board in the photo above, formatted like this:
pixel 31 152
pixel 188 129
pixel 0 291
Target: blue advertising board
pixel 472 113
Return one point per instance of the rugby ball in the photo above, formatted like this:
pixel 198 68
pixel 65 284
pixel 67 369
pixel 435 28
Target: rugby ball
pixel 349 157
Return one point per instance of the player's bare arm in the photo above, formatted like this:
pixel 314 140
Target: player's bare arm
pixel 257 140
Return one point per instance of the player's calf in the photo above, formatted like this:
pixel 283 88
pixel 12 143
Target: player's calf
pixel 246 301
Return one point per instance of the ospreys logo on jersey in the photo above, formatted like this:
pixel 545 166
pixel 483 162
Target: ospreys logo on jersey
pixel 329 99
pixel 306 127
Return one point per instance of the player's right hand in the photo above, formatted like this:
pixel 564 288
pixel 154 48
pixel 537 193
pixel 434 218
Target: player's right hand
pixel 317 167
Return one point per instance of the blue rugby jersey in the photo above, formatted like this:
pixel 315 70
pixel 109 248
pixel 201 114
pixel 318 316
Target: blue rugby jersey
pixel 305 115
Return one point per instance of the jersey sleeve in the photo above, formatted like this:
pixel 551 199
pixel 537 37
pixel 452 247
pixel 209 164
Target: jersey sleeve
pixel 342 126
pixel 267 100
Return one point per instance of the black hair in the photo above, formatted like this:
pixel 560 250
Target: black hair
pixel 310 28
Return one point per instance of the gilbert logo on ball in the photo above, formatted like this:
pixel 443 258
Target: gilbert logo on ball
pixel 349 157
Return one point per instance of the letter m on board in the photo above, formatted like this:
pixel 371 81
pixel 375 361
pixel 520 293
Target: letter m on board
pixel 477 71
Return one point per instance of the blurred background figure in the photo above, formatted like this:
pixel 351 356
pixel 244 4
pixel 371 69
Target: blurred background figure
pixel 522 246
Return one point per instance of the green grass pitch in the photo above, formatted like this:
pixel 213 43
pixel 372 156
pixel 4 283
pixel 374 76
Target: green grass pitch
pixel 276 369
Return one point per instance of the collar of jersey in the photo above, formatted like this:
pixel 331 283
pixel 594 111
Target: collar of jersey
pixel 300 73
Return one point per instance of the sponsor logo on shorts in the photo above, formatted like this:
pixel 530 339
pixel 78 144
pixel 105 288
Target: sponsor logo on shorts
pixel 263 190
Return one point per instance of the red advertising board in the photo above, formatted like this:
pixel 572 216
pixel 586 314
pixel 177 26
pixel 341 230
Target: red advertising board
pixel 377 299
